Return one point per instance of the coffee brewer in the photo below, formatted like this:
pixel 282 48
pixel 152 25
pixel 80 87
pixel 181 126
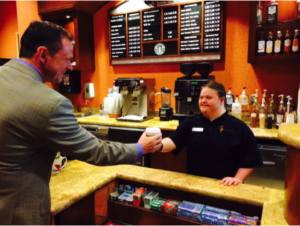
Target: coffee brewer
pixel 138 98
pixel 188 88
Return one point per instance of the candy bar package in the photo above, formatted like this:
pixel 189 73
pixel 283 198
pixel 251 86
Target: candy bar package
pixel 170 207
pixel 137 198
pixel 217 210
pixel 147 192
pixel 129 200
pixel 208 217
pixel 149 198
pixel 123 197
pixel 190 210
pixel 242 221
pixel 156 204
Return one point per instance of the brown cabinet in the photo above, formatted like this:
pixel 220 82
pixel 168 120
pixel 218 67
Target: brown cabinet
pixel 80 25
pixel 287 20
pixel 88 7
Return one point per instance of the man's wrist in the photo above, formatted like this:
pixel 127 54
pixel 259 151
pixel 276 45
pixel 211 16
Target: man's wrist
pixel 140 148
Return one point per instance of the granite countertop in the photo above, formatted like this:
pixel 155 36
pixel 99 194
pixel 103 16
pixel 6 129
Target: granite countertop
pixel 290 134
pixel 79 179
pixel 164 125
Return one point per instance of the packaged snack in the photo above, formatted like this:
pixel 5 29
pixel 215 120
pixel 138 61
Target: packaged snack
pixel 147 192
pixel 156 204
pixel 121 187
pixel 217 210
pixel 128 189
pixel 149 198
pixel 123 197
pixel 137 199
pixel 208 217
pixel 170 207
pixel 129 200
pixel 114 196
pixel 242 220
pixel 190 210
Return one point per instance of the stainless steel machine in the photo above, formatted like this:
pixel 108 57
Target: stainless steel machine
pixel 188 88
pixel 138 98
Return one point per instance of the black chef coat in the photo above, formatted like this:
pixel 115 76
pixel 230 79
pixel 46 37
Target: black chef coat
pixel 216 149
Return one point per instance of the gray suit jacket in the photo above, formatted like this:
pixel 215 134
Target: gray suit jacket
pixel 35 123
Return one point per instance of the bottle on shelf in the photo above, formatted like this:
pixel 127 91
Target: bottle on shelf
pixel 244 100
pixel 272 12
pixel 298 9
pixel 277 45
pixel 229 101
pixel 265 97
pixel 261 43
pixel 262 115
pixel 287 42
pixel 254 113
pixel 289 113
pixel 237 108
pixel 295 47
pixel 271 112
pixel 259 13
pixel 269 49
pixel 280 112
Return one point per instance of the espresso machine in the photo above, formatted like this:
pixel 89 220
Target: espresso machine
pixel 138 98
pixel 188 88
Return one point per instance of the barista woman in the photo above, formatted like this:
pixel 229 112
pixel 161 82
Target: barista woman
pixel 218 145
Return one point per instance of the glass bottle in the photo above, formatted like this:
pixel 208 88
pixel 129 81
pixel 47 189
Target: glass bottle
pixel 262 115
pixel 259 13
pixel 287 42
pixel 272 12
pixel 270 41
pixel 295 47
pixel 261 43
pixel 298 9
pixel 277 45
pixel 271 113
pixel 229 101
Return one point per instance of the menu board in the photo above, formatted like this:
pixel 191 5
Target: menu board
pixel 151 25
pixel 212 27
pixel 170 19
pixel 184 31
pixel 190 28
pixel 118 36
pixel 134 34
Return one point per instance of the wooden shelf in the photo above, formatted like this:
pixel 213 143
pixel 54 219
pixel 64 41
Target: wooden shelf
pixel 254 35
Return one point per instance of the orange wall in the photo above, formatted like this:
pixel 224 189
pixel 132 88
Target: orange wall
pixel 8 29
pixel 233 71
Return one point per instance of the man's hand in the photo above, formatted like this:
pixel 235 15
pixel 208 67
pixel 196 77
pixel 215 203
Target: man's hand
pixel 150 144
pixel 227 181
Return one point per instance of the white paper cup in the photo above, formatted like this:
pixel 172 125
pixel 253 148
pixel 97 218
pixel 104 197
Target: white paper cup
pixel 152 131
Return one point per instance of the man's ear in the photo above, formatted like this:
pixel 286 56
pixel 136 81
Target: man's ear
pixel 42 53
pixel 222 100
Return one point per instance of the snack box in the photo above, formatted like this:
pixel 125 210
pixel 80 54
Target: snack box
pixel 123 197
pixel 129 199
pixel 156 204
pixel 147 192
pixel 170 207
pixel 190 210
pixel 114 196
pixel 208 217
pixel 149 198
pixel 137 198
pixel 242 220
pixel 217 210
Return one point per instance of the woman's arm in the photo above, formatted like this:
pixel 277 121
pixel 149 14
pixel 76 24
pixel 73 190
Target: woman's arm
pixel 168 145
pixel 241 175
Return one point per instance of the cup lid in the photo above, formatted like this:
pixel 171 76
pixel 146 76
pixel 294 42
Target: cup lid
pixel 153 130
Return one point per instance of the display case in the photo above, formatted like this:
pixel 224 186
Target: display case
pixel 287 20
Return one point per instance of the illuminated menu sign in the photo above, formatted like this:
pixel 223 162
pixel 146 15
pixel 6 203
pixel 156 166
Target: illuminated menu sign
pixel 170 19
pixel 151 25
pixel 118 36
pixel 134 34
pixel 190 28
pixel 212 27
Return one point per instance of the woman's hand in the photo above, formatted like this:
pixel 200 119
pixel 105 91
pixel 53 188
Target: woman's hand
pixel 227 181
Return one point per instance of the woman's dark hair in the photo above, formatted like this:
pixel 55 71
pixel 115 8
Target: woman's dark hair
pixel 218 87
pixel 42 33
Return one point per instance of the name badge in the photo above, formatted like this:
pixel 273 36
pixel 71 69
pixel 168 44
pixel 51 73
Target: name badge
pixel 197 129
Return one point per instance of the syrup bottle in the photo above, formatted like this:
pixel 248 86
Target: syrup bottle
pixel 277 46
pixel 287 43
pixel 280 112
pixel 295 47
pixel 270 41
pixel 244 100
pixel 261 43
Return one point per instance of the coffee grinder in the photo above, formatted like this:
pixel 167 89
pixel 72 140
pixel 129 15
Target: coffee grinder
pixel 165 112
pixel 188 89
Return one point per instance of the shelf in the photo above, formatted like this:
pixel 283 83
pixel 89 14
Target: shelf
pixel 276 58
pixel 279 25
pixel 137 215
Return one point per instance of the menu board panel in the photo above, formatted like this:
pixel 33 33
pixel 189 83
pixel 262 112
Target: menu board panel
pixel 151 25
pixel 190 28
pixel 134 34
pixel 170 19
pixel 161 48
pixel 118 36
pixel 212 27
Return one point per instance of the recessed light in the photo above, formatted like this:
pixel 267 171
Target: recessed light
pixel 68 16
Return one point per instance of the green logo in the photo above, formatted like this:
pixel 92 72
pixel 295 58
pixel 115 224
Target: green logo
pixel 159 49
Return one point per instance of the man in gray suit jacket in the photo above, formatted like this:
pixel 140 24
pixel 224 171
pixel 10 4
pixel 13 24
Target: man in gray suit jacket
pixel 36 122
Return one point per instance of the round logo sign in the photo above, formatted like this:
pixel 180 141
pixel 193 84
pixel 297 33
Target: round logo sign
pixel 159 49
